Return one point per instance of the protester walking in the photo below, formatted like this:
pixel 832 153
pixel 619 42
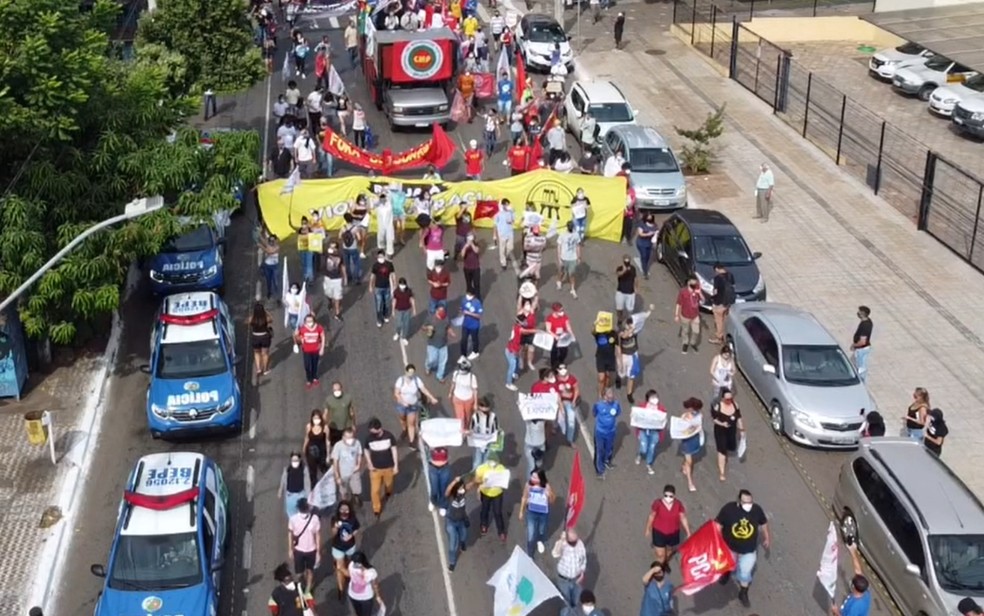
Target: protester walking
pixel 439 478
pixel 686 313
pixel 626 287
pixel 858 600
pixel 645 237
pixel 438 281
pixel 381 282
pixel 692 445
pixel 484 428
pixel 490 495
pixel 568 257
pixel 261 332
pixel 514 349
pixel 606 362
pixel 657 594
pixel 764 187
pixel 727 427
pixel 649 438
pixel 471 310
pixel 741 523
pixel 404 307
pixel 438 331
pixel 347 457
pixel 315 445
pixel 722 300
pixel 606 413
pixel 383 463
pixel 861 345
pixel 667 517
pixel 535 507
pixel 311 338
pixel 619 30
pixel 570 397
pixel 936 432
pixel 304 542
pixel 627 359
pixel 463 392
pixel 558 324
pixel 432 243
pixel 288 598
pixel 572 562
pixel 504 233
pixel 295 484
pixel 456 523
pixel 472 265
pixel 363 586
pixel 408 391
pixel 534 443
pixel 336 278
pixel 723 371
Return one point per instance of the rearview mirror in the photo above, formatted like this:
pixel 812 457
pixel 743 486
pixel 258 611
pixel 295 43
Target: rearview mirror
pixel 222 241
pixel 145 368
pixel 913 569
pixel 218 564
pixel 238 359
pixel 578 113
pixel 682 254
pixel 769 369
pixel 756 255
pixel 98 570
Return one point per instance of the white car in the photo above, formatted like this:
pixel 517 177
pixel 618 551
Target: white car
pixel 538 36
pixel 603 100
pixel 884 63
pixel 945 98
pixel 922 80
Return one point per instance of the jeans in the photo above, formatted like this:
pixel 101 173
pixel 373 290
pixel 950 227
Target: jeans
pixel 479 456
pixel 492 507
pixel 473 281
pixel 861 362
pixel 490 140
pixel 440 478
pixel 570 421
pixel 307 265
pixel 528 456
pixel 353 53
pixel 403 323
pixel 432 305
pixel 326 163
pixel 916 435
pixel 570 590
pixel 311 366
pixel 745 567
pixel 512 367
pixel 505 107
pixel 469 335
pixel 645 248
pixel 353 264
pixel 581 226
pixel 536 530
pixel 359 137
pixel 604 450
pixel 270 275
pixel 648 442
pixel 382 297
pixel 437 361
pixel 457 537
pixel 292 322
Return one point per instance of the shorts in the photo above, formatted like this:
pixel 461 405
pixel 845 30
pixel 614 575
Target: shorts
pixel 411 409
pixel 262 341
pixel 333 288
pixel 630 367
pixel 661 540
pixel 568 267
pixel 605 364
pixel 341 554
pixel 690 446
pixel 625 301
pixel 304 561
pixel 526 339
pixel 351 485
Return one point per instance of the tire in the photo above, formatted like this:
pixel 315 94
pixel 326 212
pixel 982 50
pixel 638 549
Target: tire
pixel 926 91
pixel 848 526
pixel 660 257
pixel 776 419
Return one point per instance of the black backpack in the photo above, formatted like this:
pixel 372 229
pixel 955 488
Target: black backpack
pixel 347 238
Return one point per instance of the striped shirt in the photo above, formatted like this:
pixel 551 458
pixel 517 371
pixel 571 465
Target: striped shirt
pixel 571 560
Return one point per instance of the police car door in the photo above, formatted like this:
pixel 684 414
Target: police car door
pixel 227 325
pixel 215 523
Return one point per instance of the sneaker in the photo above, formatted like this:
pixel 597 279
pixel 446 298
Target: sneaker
pixel 362 255
pixel 650 470
pixel 472 356
pixel 386 320
pixel 609 465
pixel 316 382
pixel 684 350
pixel 560 285
pixel 484 530
pixel 307 385
pixel 442 512
pixel 396 336
pixel 404 341
pixel 430 507
pixel 540 548
pixel 573 293
pixel 378 324
pixel 511 387
pixel 463 547
pixel 631 398
pixel 601 477
pixel 638 460
pixel 338 317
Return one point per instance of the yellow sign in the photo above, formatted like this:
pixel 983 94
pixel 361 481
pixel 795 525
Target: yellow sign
pixel 549 191
pixel 604 321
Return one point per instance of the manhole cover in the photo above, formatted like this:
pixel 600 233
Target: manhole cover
pixel 655 52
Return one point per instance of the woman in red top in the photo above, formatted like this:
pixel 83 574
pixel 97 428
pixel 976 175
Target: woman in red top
pixel 311 338
pixel 559 324
pixel 666 517
pixel 513 347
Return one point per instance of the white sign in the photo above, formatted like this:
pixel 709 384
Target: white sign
pixel 441 432
pixel 520 586
pixel 742 445
pixel 543 340
pixel 681 428
pixel 566 339
pixel 827 573
pixel 539 406
pixel 482 441
pixel 497 479
pixel 647 418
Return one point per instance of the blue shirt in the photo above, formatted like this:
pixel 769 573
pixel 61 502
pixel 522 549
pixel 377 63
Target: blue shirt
pixel 505 90
pixel 857 606
pixel 606 416
pixel 399 200
pixel 657 600
pixel 471 305
pixel 504 222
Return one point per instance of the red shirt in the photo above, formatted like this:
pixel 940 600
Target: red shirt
pixel 311 338
pixel 517 157
pixel 566 386
pixel 542 387
pixel 667 520
pixel 401 299
pixel 689 303
pixel 557 324
pixel 439 293
pixel 473 162
pixel 513 345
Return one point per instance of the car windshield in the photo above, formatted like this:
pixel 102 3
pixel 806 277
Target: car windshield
pixel 908 48
pixel 156 562
pixel 975 83
pixel 724 249
pixel 817 366
pixel 959 562
pixel 195 240
pixel 547 32
pixel 938 63
pixel 653 160
pixel 611 112
pixel 186 360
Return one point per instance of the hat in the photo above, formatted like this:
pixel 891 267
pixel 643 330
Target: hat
pixel 968 607
pixel 527 290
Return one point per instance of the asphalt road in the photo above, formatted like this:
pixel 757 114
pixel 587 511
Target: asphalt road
pixel 789 482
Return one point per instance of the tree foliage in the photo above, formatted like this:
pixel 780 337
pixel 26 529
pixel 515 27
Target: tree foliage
pixel 214 37
pixel 84 133
pixel 698 153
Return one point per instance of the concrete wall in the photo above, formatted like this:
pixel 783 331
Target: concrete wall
pixel 882 6
pixel 805 29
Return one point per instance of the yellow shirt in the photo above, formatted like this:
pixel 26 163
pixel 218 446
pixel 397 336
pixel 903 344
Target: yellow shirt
pixel 456 10
pixel 482 471
pixel 470 26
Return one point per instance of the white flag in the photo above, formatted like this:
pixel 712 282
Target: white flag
pixel 335 85
pixel 305 308
pixel 639 320
pixel 285 69
pixel 502 67
pixel 827 574
pixel 520 586
pixel 285 291
pixel 293 181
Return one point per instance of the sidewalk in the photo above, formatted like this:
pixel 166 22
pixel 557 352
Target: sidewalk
pixel 830 245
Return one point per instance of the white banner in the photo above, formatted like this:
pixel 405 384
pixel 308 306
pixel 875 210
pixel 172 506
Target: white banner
pixel 482 441
pixel 742 446
pixel 497 479
pixel 441 432
pixel 647 418
pixel 827 573
pixel 543 340
pixel 520 586
pixel 538 406
pixel 681 428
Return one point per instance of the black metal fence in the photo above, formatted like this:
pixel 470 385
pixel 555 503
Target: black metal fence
pixel 940 197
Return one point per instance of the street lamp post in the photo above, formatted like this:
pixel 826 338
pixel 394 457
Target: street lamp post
pixel 133 209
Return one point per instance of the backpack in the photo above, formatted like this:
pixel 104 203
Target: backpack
pixel 347 238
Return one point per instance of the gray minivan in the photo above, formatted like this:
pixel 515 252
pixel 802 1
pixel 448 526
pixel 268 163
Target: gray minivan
pixel 918 525
pixel 656 174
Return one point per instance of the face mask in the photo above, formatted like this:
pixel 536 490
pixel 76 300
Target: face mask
pixel 562 372
pixel 626 262
pixel 403 287
pixel 290 586
pixel 587 609
pixel 337 393
pixel 572 543
pixel 654 401
pixel 295 463
pixel 694 286
pixel 350 441
pixel 295 290
pixel 534 481
pixel 381 260
pixel 309 324
pixel 343 514
pixel 746 506
pixel 471 238
pixel 669 499
pixel 438 269
pixel 461 492
pixel 552 380
pixel 316 421
pixel 331 251
pixel 410 374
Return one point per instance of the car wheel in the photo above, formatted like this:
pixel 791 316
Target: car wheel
pixel 849 526
pixel 659 252
pixel 155 435
pixel 926 91
pixel 776 419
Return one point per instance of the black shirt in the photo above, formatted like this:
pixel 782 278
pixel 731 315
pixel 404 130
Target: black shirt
pixel 344 539
pixel 740 528
pixel 606 342
pixel 863 331
pixel 724 289
pixel 936 429
pixel 281 159
pixel 588 164
pixel 382 273
pixel 288 601
pixel 626 280
pixel 333 267
pixel 380 449
pixel 629 345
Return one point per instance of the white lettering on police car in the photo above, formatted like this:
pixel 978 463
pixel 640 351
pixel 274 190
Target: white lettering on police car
pixel 182 266
pixel 168 476
pixel 193 397
pixel 189 307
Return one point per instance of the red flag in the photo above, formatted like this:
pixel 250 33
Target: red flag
pixel 438 151
pixel 704 558
pixel 486 209
pixel 520 86
pixel 575 494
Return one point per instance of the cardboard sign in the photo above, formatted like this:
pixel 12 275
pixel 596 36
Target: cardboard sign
pixel 647 418
pixel 543 340
pixel 681 428
pixel 441 432
pixel 538 406
pixel 482 441
pixel 604 321
pixel 497 479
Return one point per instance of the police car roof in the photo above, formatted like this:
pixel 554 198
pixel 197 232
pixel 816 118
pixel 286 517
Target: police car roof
pixel 145 521
pixel 177 334
pixel 189 305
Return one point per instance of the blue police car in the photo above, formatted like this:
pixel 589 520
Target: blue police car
pixel 189 262
pixel 168 552
pixel 193 385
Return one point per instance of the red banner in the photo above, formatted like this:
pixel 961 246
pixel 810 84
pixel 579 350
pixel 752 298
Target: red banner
pixel 575 495
pixel 438 152
pixel 486 209
pixel 423 60
pixel 484 85
pixel 704 558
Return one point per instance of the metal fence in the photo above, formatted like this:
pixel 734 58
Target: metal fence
pixel 936 194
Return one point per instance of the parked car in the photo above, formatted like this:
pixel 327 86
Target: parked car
pixel 656 175
pixel 945 98
pixel 800 373
pixel 884 63
pixel 692 241
pixel 968 116
pixel 919 527
pixel 537 35
pixel 936 72
pixel 603 100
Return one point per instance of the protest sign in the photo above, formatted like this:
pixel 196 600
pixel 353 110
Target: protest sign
pixel 497 479
pixel 681 428
pixel 647 418
pixel 482 441
pixel 441 432
pixel 538 406
pixel 543 340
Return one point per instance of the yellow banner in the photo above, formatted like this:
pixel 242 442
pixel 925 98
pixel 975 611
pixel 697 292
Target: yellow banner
pixel 549 191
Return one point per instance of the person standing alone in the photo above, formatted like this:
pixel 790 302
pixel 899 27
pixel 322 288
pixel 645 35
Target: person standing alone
pixel 764 187
pixel 861 346
pixel 686 313
pixel 619 30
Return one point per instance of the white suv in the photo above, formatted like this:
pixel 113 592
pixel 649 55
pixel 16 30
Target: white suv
pixel 603 100
pixel 884 63
pixel 922 80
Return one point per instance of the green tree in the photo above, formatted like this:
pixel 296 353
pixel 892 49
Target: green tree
pixel 698 153
pixel 214 37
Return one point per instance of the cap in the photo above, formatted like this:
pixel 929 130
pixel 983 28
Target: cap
pixel 556 306
pixel 968 607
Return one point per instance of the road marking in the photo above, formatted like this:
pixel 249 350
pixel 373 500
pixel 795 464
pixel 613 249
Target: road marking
pixel 252 424
pixel 250 483
pixel 335 24
pixel 248 550
pixel 441 547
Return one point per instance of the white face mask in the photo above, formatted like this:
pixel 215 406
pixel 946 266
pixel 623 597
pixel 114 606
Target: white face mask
pixel 381 260
pixel 587 609
pixel 668 500
pixel 438 269
pixel 316 421
pixel 746 506
pixel 654 400
pixel 290 586
pixel 350 441
pixel 295 463
pixel 562 373
pixel 337 393
pixel 552 380
pixel 403 287
pixel 331 251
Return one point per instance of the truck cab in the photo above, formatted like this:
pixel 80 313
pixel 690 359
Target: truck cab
pixel 410 75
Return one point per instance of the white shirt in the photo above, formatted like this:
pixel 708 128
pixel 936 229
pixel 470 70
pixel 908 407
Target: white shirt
pixel 360 582
pixel 287 134
pixel 531 219
pixel 579 208
pixel 563 166
pixel 490 124
pixel 571 560
pixel 304 149
pixel 465 385
pixel 765 180
pixel 613 166
pixel 314 102
pixel 409 388
pixel 280 109
pixel 497 23
pixel 359 120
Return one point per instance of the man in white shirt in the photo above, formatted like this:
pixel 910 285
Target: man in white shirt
pixel 556 141
pixel 313 104
pixel 572 561
pixel 763 192
pixel 305 153
pixel 613 164
pixel 384 225
pixel 287 133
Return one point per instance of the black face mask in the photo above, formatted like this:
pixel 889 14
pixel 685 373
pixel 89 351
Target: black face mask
pixel 659 577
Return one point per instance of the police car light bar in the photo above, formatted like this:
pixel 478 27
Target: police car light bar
pixel 160 502
pixel 194 319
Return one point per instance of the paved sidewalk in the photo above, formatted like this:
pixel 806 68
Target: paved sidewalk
pixel 830 244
